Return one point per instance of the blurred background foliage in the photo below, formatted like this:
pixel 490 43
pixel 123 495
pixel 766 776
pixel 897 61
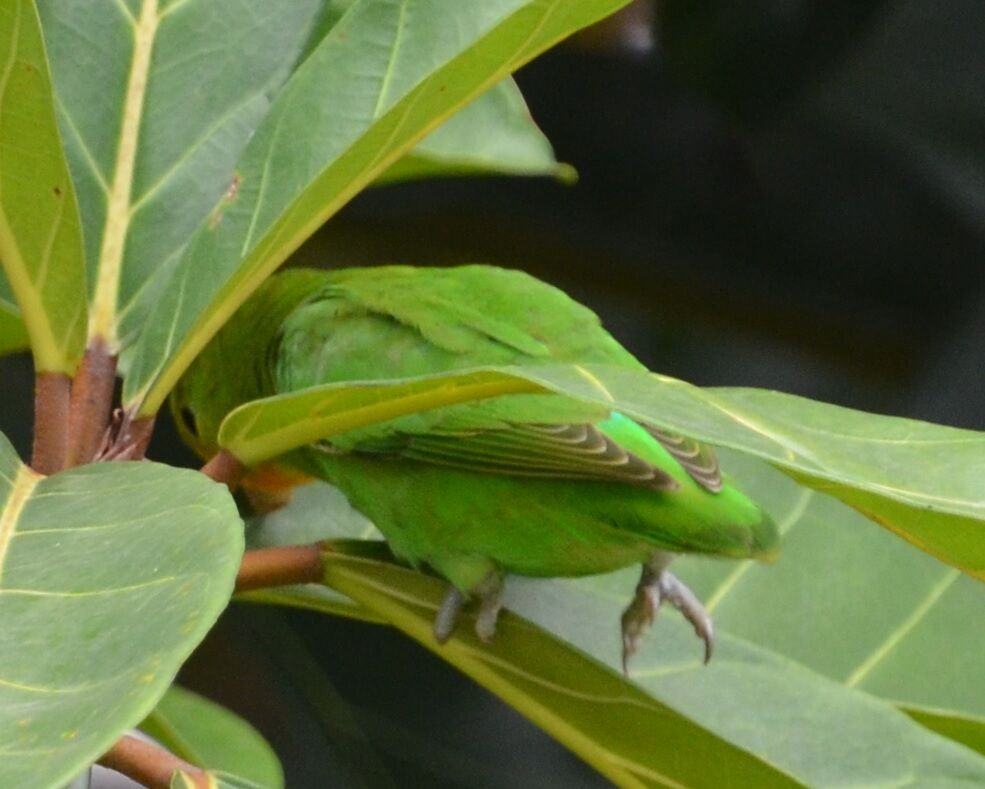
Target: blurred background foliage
pixel 772 193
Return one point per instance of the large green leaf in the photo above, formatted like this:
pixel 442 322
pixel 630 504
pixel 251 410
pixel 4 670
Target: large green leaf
pixel 774 624
pixel 920 480
pixel 388 72
pixel 157 99
pixel 109 575
pixel 208 735
pixel 40 236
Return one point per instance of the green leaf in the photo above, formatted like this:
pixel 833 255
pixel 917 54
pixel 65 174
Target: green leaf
pixel 110 574
pixel 157 99
pixel 388 72
pixel 846 600
pixel 632 739
pixel 919 480
pixel 210 736
pixel 759 692
pixel 493 135
pixel 40 236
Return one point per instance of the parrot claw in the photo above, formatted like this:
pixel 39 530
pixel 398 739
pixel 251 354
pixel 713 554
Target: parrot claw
pixel 444 622
pixel 491 601
pixel 657 585
pixel 490 594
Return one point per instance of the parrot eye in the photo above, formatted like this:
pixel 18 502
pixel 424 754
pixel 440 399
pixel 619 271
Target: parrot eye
pixel 187 417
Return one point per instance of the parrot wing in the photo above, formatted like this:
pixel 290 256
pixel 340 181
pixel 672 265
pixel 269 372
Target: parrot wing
pixel 573 451
pixel 396 322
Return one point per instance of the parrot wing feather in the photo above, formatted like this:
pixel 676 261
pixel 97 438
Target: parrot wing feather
pixel 698 460
pixel 577 451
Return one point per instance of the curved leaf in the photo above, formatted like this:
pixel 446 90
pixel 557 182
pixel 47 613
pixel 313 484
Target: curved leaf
pixel 40 236
pixel 493 135
pixel 208 735
pixel 388 72
pixel 919 480
pixel 157 99
pixel 110 574
pixel 634 740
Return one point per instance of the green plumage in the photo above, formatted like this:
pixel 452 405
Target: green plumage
pixel 531 484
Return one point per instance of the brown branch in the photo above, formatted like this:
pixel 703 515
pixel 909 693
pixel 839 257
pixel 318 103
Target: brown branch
pixel 52 393
pixel 148 764
pixel 265 567
pixel 224 468
pixel 92 399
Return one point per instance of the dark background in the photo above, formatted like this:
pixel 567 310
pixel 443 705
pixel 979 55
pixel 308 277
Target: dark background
pixel 779 194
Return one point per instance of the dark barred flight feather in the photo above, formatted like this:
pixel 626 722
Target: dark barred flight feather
pixel 698 460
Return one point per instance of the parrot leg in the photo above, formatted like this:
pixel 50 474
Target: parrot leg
pixel 657 585
pixel 490 594
pixel 451 606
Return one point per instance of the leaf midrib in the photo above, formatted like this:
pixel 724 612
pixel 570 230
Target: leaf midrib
pixel 104 319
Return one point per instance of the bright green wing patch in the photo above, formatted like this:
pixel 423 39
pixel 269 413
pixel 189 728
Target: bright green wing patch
pixel 110 574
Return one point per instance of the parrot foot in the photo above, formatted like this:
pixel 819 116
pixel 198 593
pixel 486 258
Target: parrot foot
pixel 657 585
pixel 451 606
pixel 490 594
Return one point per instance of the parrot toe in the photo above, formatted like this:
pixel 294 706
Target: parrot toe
pixel 447 616
pixel 491 601
pixel 657 585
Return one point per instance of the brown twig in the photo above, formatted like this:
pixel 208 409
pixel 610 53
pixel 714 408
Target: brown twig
pixel 266 567
pixel 52 394
pixel 224 468
pixel 92 399
pixel 148 764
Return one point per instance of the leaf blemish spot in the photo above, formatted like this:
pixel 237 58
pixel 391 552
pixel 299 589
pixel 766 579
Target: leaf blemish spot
pixel 58 192
pixel 228 196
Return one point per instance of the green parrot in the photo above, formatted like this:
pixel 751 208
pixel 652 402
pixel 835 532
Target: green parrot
pixel 530 484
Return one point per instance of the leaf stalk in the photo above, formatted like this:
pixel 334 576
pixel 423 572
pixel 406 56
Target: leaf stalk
pixel 148 764
pixel 52 394
pixel 296 564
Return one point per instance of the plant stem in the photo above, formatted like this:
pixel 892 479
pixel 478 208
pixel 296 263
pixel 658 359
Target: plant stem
pixel 52 393
pixel 265 567
pixel 92 399
pixel 148 764
pixel 224 468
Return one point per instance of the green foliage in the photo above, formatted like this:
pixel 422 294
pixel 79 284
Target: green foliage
pixel 876 464
pixel 774 687
pixel 164 157
pixel 205 734
pixel 84 556
pixel 388 80
pixel 40 236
